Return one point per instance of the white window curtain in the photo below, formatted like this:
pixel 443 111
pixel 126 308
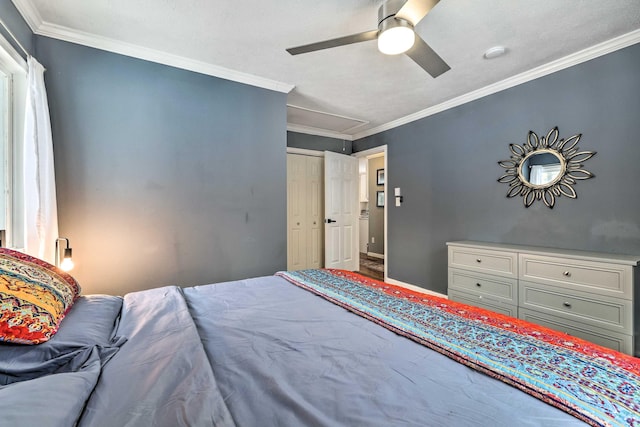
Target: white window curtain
pixel 41 213
pixel 544 174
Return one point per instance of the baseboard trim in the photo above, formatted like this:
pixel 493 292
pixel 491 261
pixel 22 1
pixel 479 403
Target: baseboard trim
pixel 414 287
pixel 375 255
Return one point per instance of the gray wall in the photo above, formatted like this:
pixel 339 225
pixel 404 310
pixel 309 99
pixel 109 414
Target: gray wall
pixel 164 176
pixel 12 18
pixel 446 166
pixel 318 143
pixel 376 214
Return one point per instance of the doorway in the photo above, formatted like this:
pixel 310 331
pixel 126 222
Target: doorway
pixel 373 199
pixel 380 259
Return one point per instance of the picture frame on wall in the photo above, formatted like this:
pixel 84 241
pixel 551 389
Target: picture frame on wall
pixel 380 177
pixel 380 199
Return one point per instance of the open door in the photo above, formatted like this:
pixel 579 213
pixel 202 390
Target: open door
pixel 341 211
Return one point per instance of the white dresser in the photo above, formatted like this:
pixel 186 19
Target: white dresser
pixel 586 294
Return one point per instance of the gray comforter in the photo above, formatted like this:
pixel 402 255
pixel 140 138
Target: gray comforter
pixel 258 352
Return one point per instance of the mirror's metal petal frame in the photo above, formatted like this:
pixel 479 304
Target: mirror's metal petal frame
pixel 572 169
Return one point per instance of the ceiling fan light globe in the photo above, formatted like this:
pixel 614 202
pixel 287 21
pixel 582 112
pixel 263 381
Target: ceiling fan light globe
pixel 396 40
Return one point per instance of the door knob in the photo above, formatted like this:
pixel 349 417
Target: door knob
pixel 329 221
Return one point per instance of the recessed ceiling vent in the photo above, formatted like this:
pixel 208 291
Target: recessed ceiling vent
pixel 300 116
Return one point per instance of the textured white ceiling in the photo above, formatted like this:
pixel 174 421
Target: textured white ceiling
pixel 248 38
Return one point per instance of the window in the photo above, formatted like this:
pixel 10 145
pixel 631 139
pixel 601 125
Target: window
pixel 13 73
pixel 4 152
pixel 544 174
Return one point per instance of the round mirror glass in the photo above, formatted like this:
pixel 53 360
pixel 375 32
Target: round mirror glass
pixel 541 168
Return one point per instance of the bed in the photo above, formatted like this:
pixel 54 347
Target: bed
pixel 308 348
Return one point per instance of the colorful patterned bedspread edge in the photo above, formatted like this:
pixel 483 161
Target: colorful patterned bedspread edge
pixel 595 384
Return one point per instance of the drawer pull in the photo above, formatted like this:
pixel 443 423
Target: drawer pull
pixel 478 284
pixel 567 304
pixel 478 260
pixel 567 274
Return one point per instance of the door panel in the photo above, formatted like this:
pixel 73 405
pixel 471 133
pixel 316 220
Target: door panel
pixel 296 244
pixel 332 246
pixel 295 213
pixel 348 244
pixel 315 213
pixel 314 254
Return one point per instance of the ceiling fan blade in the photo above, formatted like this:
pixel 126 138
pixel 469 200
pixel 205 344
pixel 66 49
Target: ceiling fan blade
pixel 427 58
pixel 341 41
pixel 414 10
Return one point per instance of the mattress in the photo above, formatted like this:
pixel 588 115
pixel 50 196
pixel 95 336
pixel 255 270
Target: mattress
pixel 255 352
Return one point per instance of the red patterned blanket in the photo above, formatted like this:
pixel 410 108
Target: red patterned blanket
pixel 595 384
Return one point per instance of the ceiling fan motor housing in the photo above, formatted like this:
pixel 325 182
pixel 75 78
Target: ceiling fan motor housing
pixel 395 35
pixel 389 10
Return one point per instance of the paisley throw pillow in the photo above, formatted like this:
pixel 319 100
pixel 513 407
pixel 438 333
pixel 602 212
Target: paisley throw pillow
pixel 34 298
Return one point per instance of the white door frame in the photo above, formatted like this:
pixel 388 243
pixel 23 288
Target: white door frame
pixel 372 152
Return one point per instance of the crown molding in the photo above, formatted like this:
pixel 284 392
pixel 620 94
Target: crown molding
pixel 59 32
pixel 152 55
pixel 32 17
pixel 29 13
pixel 592 52
pixel 318 132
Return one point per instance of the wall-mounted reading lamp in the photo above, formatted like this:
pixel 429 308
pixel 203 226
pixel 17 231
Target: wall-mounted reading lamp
pixel 67 263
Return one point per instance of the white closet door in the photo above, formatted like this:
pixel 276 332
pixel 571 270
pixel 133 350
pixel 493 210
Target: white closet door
pixel 296 237
pixel 305 211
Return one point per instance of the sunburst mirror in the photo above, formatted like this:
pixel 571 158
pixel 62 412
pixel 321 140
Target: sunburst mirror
pixel 545 168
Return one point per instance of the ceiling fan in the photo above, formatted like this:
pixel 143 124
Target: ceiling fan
pixel 395 34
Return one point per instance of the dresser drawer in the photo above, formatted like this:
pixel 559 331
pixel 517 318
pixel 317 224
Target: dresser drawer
pixel 484 285
pixel 483 302
pixel 590 295
pixel 617 341
pixel 614 314
pixel 589 276
pixel 484 261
